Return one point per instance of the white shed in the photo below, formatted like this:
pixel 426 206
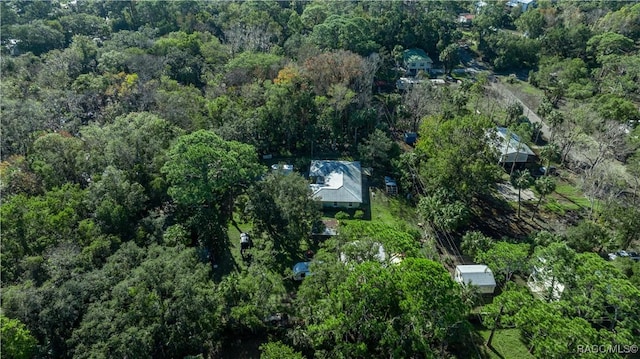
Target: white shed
pixel 478 275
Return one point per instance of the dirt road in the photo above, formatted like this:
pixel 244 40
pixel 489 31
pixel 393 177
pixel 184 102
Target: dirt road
pixel 509 97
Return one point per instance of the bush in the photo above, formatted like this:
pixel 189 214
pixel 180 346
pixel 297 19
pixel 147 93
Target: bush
pixel 359 214
pixel 342 215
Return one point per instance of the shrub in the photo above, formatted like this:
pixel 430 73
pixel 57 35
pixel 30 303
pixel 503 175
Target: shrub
pixel 342 215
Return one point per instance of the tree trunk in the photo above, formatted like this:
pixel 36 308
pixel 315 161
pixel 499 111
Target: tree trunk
pixel 495 326
pixel 519 190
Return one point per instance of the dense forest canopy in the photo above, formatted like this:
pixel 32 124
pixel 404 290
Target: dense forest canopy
pixel 138 139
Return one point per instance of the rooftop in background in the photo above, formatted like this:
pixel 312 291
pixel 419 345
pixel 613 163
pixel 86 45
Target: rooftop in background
pixel 524 4
pixel 336 181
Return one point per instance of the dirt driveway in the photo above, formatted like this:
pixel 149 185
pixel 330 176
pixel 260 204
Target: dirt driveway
pixel 511 194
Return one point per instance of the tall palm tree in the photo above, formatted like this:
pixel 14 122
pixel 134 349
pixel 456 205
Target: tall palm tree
pixel 521 180
pixel 544 185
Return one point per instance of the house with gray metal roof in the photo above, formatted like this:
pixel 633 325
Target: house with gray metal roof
pixel 511 148
pixel 337 183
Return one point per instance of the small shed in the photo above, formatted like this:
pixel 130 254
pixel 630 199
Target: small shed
pixel 478 275
pixel 391 185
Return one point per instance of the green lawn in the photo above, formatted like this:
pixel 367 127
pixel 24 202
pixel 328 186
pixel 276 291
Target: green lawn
pixel 392 210
pixel 506 344
pixel 568 198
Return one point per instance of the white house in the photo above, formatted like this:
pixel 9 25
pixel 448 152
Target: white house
pixel 415 60
pixel 478 275
pixel 511 148
pixel 337 183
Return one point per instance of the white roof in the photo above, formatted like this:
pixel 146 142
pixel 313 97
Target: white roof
pixel 476 274
pixel 337 181
pixel 511 145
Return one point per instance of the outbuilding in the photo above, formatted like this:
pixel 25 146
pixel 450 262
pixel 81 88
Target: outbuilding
pixel 478 275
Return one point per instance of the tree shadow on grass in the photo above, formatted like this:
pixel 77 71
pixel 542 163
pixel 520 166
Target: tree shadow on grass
pixel 494 351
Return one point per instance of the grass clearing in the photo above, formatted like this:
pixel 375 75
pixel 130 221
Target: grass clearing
pixel 529 94
pixel 570 197
pixel 392 210
pixel 506 344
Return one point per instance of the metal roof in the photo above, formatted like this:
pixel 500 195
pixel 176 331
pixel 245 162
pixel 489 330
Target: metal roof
pixel 509 142
pixel 476 274
pixel 416 55
pixel 336 181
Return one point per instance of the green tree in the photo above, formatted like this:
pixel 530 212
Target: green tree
pixel 346 32
pixel 31 225
pixel 17 341
pixel 278 350
pixel 550 334
pixel 624 21
pixel 57 159
pixel 116 201
pixel 378 150
pixel 616 108
pixel 166 307
pixel 394 239
pixel 474 242
pixel 505 259
pixel 553 265
pixel 442 211
pixel 136 144
pixel 625 221
pixel 531 23
pixel 205 174
pixel 544 186
pixel 549 153
pixel 38 36
pixel 608 43
pixel 251 298
pixel 283 210
pixel 589 236
pixel 381 312
pixel 503 311
pixel 514 111
pixel 450 57
pixel 521 180
pixel 458 157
